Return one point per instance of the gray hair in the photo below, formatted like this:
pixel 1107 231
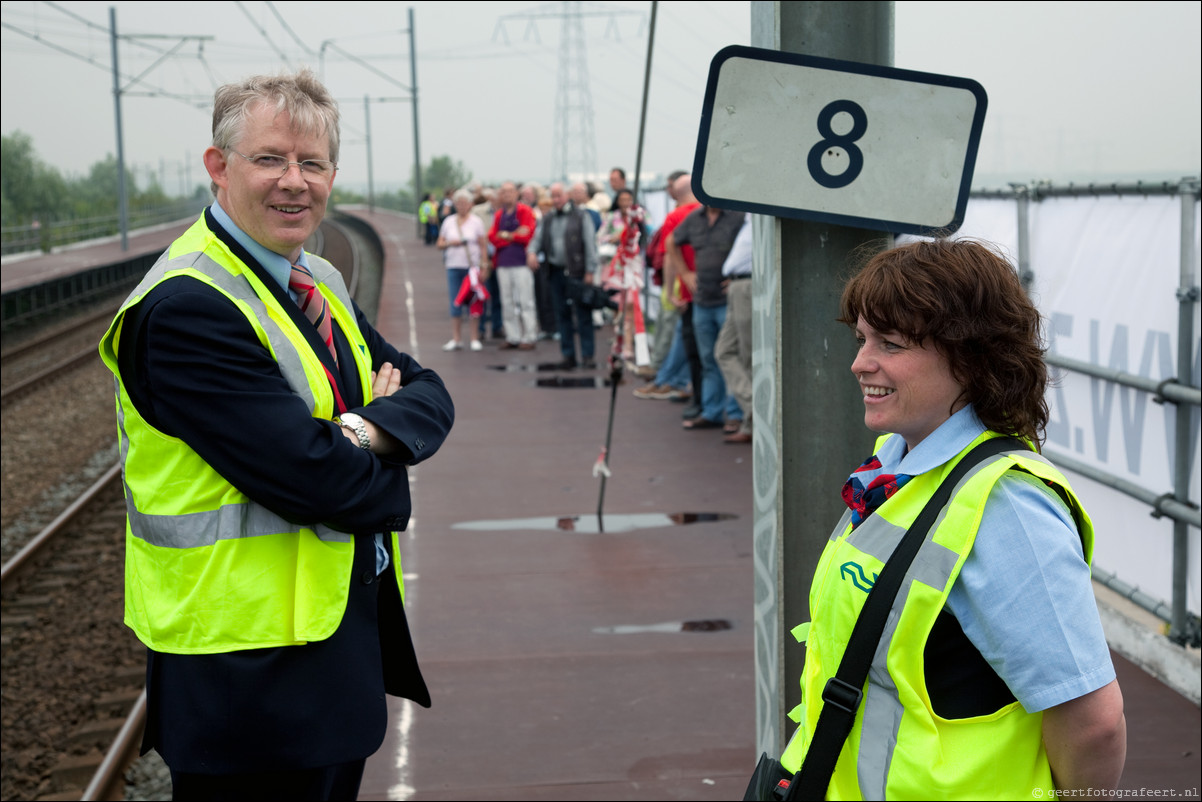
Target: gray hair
pixel 463 194
pixel 302 96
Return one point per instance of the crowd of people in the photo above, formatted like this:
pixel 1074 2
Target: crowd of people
pixel 527 263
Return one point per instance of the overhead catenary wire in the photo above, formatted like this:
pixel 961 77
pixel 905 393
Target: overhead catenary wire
pixel 102 65
pixel 194 74
pixel 288 28
pixel 263 32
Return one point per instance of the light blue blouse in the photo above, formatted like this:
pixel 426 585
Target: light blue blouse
pixel 1024 596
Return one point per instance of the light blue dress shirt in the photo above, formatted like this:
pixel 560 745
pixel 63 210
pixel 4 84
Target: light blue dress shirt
pixel 276 265
pixel 1024 596
pixel 280 269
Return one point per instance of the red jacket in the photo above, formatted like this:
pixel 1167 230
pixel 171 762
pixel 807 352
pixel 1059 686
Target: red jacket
pixel 519 242
pixel 674 219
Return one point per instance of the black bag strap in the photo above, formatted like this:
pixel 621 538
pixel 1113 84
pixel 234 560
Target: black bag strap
pixel 843 692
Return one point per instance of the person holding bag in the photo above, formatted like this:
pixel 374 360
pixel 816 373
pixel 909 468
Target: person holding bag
pixel 464 244
pixel 955 649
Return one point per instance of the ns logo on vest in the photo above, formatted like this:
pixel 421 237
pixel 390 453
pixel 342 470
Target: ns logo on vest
pixel 854 572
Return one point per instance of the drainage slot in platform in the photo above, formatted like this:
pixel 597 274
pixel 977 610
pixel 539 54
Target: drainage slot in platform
pixel 588 382
pixel 541 367
pixel 711 625
pixel 587 524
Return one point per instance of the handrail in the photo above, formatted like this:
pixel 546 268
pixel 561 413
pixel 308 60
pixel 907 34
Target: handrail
pixel 1168 390
pixel 1043 189
pixel 1175 504
pixel 1163 505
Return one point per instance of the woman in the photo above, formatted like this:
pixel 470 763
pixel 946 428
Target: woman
pixel 621 236
pixel 993 678
pixel 464 244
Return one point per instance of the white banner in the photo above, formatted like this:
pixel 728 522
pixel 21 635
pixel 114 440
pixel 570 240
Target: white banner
pixel 1106 272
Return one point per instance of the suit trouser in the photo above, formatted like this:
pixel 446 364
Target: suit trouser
pixel 327 783
pixel 689 339
pixel 548 323
pixel 733 348
pixel 574 320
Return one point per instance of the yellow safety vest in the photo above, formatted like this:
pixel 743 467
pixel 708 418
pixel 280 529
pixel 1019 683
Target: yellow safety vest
pixel 208 570
pixel 899 748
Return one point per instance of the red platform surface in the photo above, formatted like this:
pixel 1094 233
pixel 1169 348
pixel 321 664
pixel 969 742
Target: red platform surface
pixel 535 697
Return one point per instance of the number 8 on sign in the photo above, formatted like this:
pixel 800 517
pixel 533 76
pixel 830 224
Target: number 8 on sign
pixel 832 143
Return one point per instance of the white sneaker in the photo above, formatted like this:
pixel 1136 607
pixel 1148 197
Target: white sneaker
pixel 477 346
pixel 452 345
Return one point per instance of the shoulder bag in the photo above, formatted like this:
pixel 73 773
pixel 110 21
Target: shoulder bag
pixel 843 692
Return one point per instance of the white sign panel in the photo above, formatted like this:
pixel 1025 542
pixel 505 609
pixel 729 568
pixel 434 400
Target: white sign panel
pixel 836 141
pixel 1106 273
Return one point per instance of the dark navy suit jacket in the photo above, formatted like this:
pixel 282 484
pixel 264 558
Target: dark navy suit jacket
pixel 195 369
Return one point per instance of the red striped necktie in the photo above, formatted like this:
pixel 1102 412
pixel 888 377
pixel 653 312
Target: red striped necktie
pixel 313 304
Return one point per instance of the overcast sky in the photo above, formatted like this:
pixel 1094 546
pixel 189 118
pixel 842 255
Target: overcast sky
pixel 1077 91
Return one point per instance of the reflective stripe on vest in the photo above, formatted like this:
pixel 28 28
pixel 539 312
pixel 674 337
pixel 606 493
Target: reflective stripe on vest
pixel 898 747
pixel 241 577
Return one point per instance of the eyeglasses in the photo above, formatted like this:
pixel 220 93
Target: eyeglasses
pixel 312 170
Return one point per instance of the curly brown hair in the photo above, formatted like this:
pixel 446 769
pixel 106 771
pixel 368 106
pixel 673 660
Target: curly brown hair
pixel 965 298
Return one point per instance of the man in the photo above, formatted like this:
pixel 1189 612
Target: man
pixel 580 197
pixel 530 194
pixel 427 215
pixel 266 429
pixel 617 182
pixel 711 232
pixel 567 242
pixel 485 208
pixel 733 348
pixel 663 331
pixel 446 207
pixel 484 205
pixel 675 349
pixel 512 228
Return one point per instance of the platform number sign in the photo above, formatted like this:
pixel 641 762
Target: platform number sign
pixel 837 141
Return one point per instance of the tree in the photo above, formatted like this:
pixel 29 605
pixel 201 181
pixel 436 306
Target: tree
pixel 341 195
pixel 443 173
pixel 30 188
pixel 99 192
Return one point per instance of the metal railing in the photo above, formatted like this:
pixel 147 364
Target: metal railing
pixel 1184 628
pixel 34 236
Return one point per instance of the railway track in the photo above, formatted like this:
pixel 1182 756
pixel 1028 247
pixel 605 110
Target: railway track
pixel 73 674
pixel 38 362
pixel 71 670
pixel 40 359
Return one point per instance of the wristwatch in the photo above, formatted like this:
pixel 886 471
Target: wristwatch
pixel 349 420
